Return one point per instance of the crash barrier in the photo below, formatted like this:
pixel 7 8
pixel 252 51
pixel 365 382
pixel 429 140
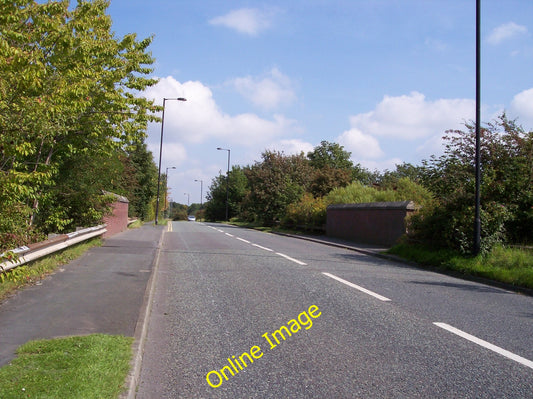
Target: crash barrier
pixel 378 223
pixel 35 251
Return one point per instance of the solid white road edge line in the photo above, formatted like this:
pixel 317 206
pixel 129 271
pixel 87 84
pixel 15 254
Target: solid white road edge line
pixel 291 259
pixel 357 287
pixel 486 344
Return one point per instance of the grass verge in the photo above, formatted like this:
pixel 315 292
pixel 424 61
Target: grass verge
pixel 135 225
pixel 93 366
pixel 506 265
pixel 35 271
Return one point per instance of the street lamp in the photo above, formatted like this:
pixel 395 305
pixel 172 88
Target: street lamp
pixel 161 153
pixel 188 200
pixel 477 194
pixel 166 187
pixel 201 192
pixel 227 181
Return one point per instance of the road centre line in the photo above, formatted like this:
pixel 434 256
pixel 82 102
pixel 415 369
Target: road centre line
pixel 291 259
pixel 265 248
pixel 357 287
pixel 485 344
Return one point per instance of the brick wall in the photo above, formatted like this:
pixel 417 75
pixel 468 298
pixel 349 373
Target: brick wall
pixel 379 223
pixel 117 221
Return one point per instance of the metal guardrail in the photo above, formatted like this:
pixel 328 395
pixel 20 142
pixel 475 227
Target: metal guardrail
pixel 35 251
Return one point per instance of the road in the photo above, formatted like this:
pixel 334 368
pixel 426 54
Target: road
pixel 242 314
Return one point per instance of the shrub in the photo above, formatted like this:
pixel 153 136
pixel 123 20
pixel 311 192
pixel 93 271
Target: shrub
pixel 309 212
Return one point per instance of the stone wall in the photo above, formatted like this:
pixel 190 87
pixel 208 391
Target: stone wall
pixel 378 223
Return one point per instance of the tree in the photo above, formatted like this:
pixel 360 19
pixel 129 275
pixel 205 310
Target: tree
pixel 389 179
pixel 332 168
pixel 506 190
pixel 66 95
pixel 215 208
pixel 138 181
pixel 275 182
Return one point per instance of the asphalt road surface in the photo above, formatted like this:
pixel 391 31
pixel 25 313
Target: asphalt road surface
pixel 238 313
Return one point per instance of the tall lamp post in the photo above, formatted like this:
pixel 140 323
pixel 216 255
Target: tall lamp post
pixel 161 153
pixel 477 208
pixel 227 181
pixel 166 187
pixel 188 200
pixel 201 192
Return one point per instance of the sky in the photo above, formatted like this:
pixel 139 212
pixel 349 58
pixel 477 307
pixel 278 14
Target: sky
pixel 383 78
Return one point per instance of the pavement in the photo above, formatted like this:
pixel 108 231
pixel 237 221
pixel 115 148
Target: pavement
pixel 103 291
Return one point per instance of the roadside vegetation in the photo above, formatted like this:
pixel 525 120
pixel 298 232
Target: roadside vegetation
pixel 93 366
pixel 71 122
pixel 512 266
pixel 293 192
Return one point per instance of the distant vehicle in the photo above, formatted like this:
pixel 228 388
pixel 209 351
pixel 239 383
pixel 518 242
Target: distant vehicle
pixel 191 218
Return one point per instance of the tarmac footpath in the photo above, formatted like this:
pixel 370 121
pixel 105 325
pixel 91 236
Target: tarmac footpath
pixel 103 291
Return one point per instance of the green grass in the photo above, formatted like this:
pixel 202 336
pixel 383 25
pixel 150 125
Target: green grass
pixel 506 265
pixel 138 223
pixel 85 367
pixel 35 271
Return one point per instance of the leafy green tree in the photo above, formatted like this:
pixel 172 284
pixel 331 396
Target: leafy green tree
pixel 215 208
pixel 179 211
pixel 329 154
pixel 364 175
pixel 275 182
pixel 138 180
pixel 506 190
pixel 327 178
pixel 332 168
pixel 66 95
pixel 389 179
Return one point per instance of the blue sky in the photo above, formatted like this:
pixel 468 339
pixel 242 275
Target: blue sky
pixel 384 78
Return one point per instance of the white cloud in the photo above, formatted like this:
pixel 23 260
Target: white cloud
pixel 522 108
pixel 200 119
pixel 504 32
pixel 411 117
pixel 174 154
pixel 292 146
pixel 249 21
pixel 410 124
pixel 267 92
pixel 382 165
pixel 362 146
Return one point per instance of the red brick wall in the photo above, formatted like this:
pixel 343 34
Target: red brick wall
pixel 379 223
pixel 117 221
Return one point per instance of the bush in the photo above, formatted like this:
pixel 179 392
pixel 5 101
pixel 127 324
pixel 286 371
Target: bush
pixel 452 226
pixel 309 212
pixel 14 228
pixel 404 190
